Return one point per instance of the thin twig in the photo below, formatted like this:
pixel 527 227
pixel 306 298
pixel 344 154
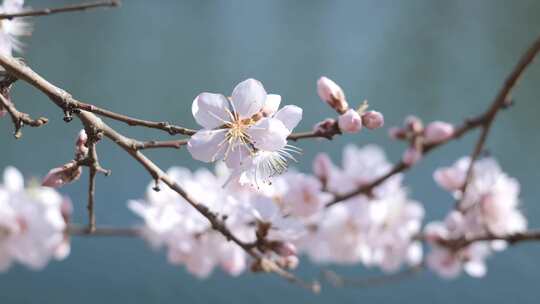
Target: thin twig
pixel 501 100
pixel 63 9
pixel 20 119
pixel 340 281
pixel 67 103
pixel 79 230
pixel 153 144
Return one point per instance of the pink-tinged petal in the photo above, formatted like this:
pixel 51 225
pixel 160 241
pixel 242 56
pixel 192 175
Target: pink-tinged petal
pixel 290 116
pixel 350 121
pixel 13 179
pixel 207 145
pixel 438 131
pixel 59 176
pixel 272 104
pixel 12 6
pixel 450 178
pixel 210 110
pixel 372 120
pixel 269 134
pixel 248 98
pixel 332 94
pixel 411 156
pixel 238 156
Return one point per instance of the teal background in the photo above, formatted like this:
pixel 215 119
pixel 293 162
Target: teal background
pixel 437 59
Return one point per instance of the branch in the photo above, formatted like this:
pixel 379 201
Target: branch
pixel 64 9
pixel 77 230
pixel 66 102
pixel 339 281
pixel 19 119
pixel 501 101
pixel 153 144
pixel 483 121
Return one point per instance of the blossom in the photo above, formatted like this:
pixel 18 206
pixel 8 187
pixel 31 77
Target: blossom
pixel 247 130
pixel 188 236
pixel 32 223
pixel 372 120
pixel 332 94
pixel 60 176
pixel 11 30
pixel 411 156
pixel 350 121
pixel 304 196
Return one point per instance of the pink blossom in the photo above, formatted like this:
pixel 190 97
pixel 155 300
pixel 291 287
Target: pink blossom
pixel 372 119
pixel 438 131
pixel 350 121
pixel 332 94
pixel 323 166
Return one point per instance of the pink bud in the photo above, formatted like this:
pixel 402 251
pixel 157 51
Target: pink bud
pixel 451 179
pixel 411 156
pixel 286 249
pixel 330 92
pixel 438 131
pixel 350 122
pixel 80 145
pixel 397 133
pixel 60 176
pixel 372 120
pixel 414 124
pixel 325 126
pixel 322 166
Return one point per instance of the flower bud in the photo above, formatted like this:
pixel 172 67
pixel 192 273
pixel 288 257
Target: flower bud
pixel 372 120
pixel 80 145
pixel 330 92
pixel 60 176
pixel 322 166
pixel 286 249
pixel 325 126
pixel 350 122
pixel 438 131
pixel 397 133
pixel 411 156
pixel 414 124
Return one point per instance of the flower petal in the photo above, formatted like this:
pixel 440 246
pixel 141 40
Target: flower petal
pixel 272 104
pixel 290 116
pixel 238 156
pixel 269 134
pixel 210 110
pixel 248 98
pixel 13 179
pixel 207 145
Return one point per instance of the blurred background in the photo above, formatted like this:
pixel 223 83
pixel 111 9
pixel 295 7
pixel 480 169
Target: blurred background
pixel 440 60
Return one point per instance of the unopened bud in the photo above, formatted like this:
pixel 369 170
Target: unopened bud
pixel 286 249
pixel 60 176
pixel 322 166
pixel 438 131
pixel 350 121
pixel 325 126
pixel 332 94
pixel 397 133
pixel 372 120
pixel 411 156
pixel 414 124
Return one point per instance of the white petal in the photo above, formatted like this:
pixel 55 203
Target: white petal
pixel 269 134
pixel 238 156
pixel 272 104
pixel 207 145
pixel 13 179
pixel 290 116
pixel 210 110
pixel 248 98
pixel 475 269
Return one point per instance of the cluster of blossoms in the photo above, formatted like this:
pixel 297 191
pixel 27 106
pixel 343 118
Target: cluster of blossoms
pixel 489 206
pixel 32 223
pixel 290 216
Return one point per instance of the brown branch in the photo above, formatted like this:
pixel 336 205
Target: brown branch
pixel 18 118
pixel 64 9
pixel 153 144
pixel 512 239
pixel 66 102
pixel 483 121
pixel 78 230
pixel 501 101
pixel 340 281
